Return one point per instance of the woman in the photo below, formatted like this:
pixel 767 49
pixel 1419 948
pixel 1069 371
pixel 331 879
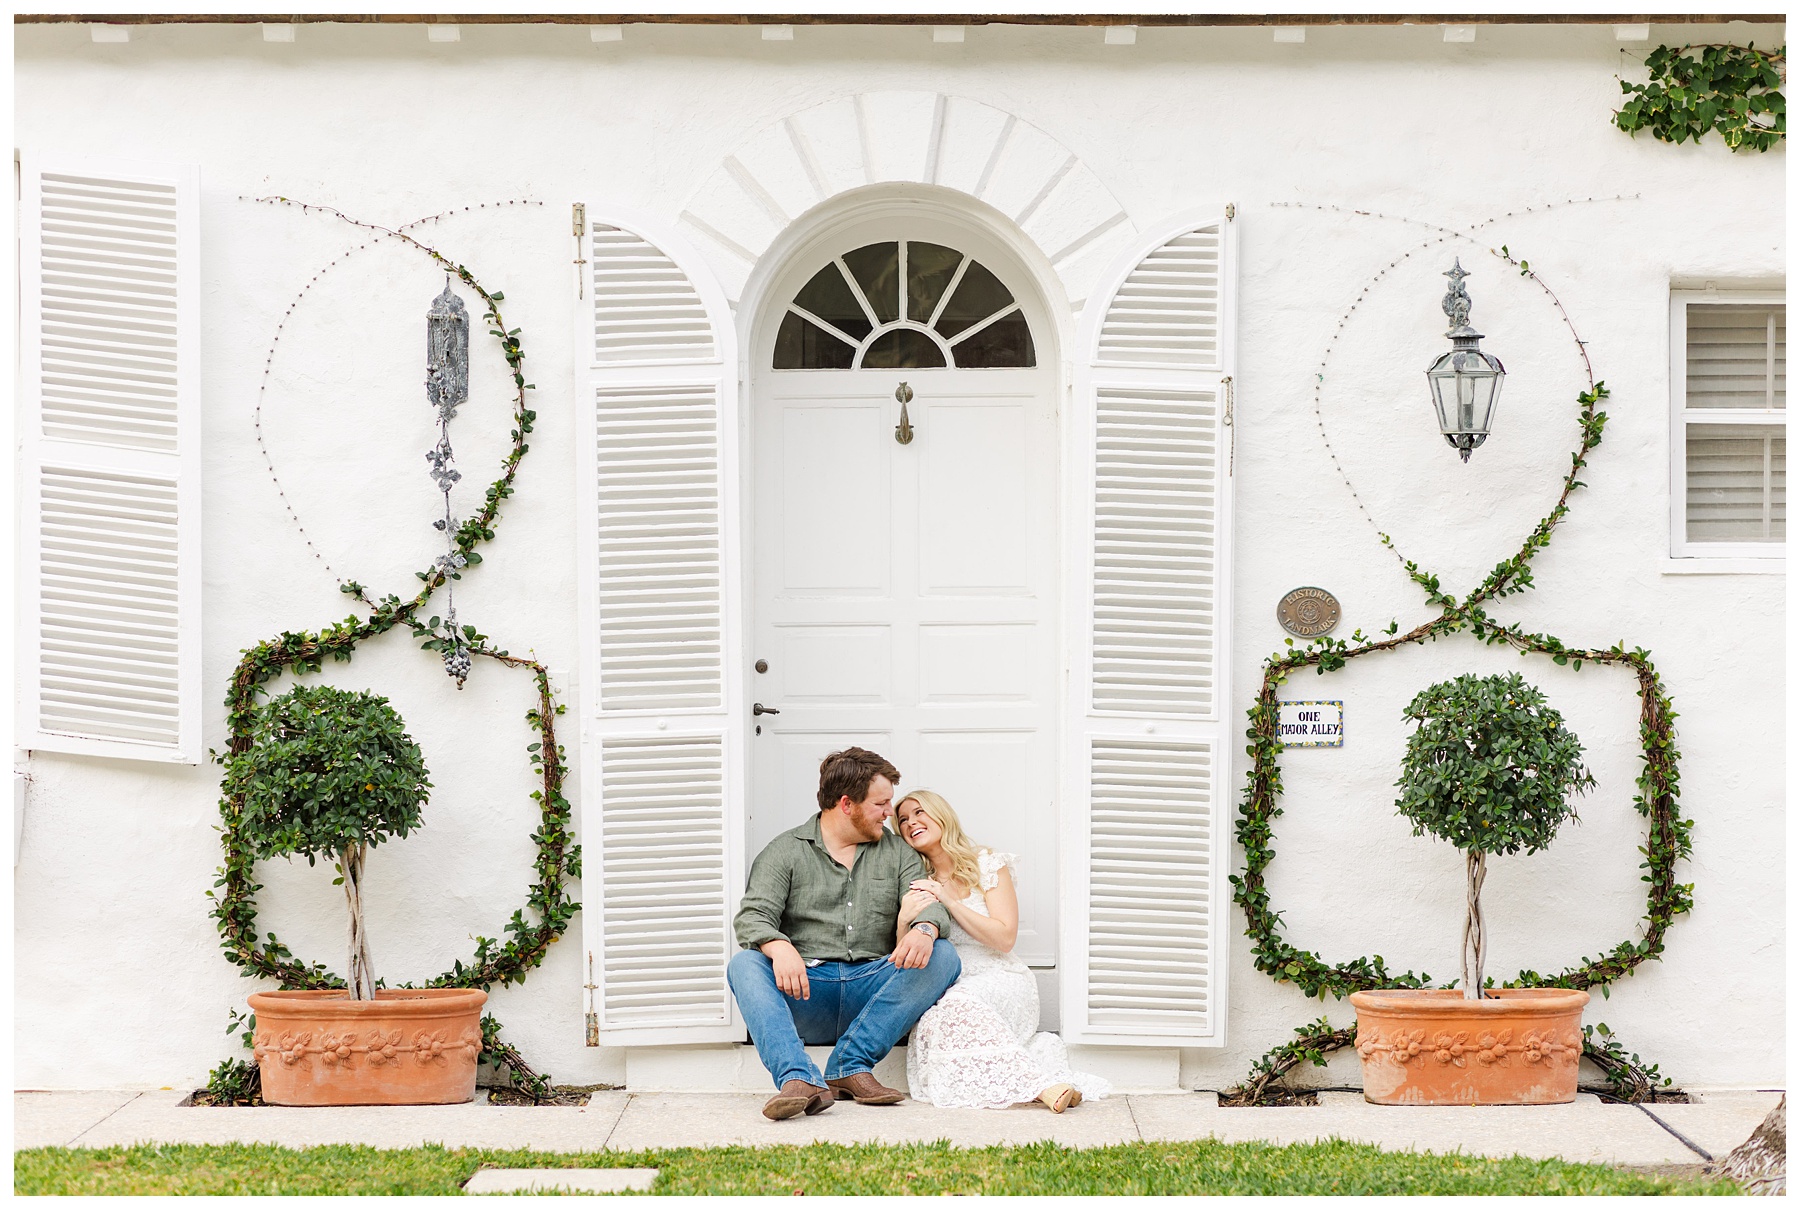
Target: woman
pixel 978 1047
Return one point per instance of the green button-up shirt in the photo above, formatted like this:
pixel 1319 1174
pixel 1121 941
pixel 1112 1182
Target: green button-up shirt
pixel 797 892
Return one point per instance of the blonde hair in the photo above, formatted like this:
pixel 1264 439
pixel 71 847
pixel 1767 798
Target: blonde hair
pixel 961 851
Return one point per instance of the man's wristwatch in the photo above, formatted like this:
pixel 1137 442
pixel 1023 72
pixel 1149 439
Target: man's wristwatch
pixel 931 928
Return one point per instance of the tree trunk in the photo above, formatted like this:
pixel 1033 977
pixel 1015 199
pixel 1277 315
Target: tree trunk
pixel 1759 1164
pixel 1474 939
pixel 361 973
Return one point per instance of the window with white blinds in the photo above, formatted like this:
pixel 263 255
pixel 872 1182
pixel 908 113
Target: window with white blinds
pixel 1729 379
pixel 109 550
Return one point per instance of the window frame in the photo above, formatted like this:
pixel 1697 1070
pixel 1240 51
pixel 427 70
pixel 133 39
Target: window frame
pixel 1687 553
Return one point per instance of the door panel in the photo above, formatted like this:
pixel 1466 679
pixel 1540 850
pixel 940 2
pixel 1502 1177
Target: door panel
pixel 833 665
pixel 980 663
pixel 831 540
pixel 905 600
pixel 974 529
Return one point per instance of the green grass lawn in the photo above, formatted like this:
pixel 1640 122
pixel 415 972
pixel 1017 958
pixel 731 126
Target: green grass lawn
pixel 826 1168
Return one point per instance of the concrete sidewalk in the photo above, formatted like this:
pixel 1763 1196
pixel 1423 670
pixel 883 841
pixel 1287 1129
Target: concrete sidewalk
pixel 1587 1130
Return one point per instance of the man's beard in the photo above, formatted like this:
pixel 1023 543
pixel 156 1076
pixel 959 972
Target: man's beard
pixel 868 826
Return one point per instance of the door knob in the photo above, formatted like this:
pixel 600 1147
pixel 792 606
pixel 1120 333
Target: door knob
pixel 759 708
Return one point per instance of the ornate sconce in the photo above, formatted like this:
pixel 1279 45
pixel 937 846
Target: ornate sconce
pixel 447 388
pixel 1465 382
pixel 447 353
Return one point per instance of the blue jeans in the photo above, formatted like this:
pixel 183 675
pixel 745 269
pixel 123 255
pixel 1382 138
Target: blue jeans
pixel 860 1009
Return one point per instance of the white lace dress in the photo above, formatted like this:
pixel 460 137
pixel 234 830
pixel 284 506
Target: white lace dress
pixel 978 1047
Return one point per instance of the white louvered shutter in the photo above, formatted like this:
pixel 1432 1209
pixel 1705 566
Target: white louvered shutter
pixel 1145 922
pixel 109 477
pixel 662 772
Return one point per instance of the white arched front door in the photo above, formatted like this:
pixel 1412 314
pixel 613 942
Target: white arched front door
pixel 905 594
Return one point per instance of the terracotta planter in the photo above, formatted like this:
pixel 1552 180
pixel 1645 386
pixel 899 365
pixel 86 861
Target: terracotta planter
pixel 1516 1046
pixel 405 1047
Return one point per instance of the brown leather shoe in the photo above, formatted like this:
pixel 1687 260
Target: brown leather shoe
pixel 797 1096
pixel 866 1090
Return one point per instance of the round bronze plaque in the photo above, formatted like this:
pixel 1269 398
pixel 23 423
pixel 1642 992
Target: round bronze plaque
pixel 1307 612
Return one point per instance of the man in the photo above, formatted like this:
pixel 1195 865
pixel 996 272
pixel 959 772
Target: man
pixel 820 963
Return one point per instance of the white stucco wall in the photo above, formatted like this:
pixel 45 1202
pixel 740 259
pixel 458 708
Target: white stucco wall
pixel 116 856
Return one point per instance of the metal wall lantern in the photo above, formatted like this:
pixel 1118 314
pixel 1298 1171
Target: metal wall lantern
pixel 1465 382
pixel 447 353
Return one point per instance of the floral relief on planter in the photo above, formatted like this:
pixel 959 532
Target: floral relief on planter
pixel 1404 1046
pixel 408 1046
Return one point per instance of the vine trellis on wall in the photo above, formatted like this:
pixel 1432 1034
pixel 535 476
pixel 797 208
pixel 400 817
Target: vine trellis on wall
pixel 1657 783
pixel 527 941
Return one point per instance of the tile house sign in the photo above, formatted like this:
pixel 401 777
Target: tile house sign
pixel 1312 724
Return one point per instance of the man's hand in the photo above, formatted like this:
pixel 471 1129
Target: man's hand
pixel 790 968
pixel 914 950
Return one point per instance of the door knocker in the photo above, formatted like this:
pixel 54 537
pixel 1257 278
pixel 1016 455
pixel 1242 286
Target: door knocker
pixel 903 432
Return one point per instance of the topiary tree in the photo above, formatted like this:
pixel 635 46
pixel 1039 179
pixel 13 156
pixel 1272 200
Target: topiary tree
pixel 1490 769
pixel 329 773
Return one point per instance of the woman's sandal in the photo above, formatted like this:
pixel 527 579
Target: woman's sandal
pixel 1059 1097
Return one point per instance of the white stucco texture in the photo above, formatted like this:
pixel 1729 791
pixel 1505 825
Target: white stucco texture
pixel 670 122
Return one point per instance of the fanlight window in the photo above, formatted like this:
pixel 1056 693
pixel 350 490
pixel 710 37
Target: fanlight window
pixel 903 305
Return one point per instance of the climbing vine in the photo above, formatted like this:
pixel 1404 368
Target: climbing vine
pixel 1732 90
pixel 527 938
pixel 1312 1042
pixel 1656 798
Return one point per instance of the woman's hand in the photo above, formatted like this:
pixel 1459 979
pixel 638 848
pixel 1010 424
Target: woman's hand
pixel 916 902
pixel 937 892
pixel 931 887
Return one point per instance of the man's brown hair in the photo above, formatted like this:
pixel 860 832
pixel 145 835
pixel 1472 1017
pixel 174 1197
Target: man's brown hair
pixel 848 773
